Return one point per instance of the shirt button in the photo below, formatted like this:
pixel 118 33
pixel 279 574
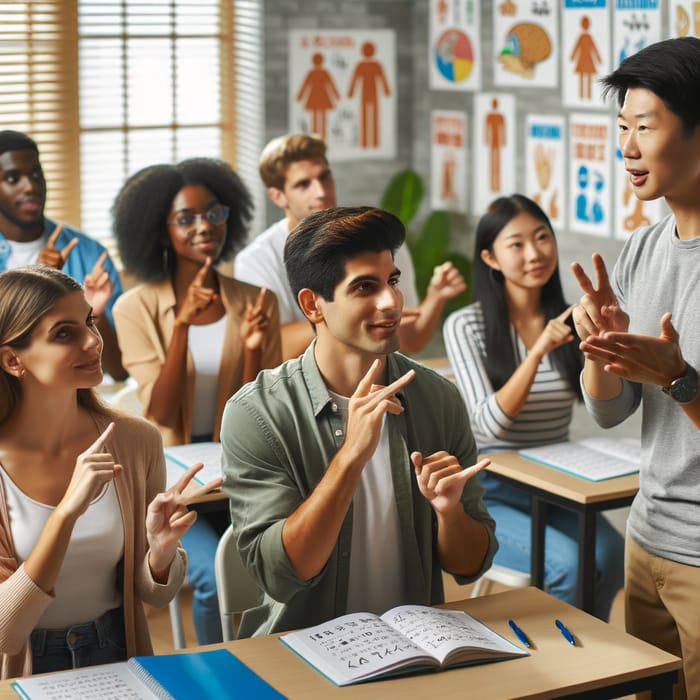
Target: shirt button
pixel 338 432
pixel 345 554
pixel 334 407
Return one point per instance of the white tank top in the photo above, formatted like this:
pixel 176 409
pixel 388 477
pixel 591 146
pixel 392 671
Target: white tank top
pixel 205 344
pixel 87 585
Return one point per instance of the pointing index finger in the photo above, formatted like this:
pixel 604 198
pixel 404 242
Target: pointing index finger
pixel 66 251
pixel 99 443
pixel 260 300
pixel 203 271
pixel 100 262
pixel 566 313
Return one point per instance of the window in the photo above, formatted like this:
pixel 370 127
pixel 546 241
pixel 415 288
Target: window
pixel 109 86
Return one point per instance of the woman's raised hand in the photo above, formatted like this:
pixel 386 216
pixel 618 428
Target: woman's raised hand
pixel 555 333
pixel 168 518
pixel 255 323
pixel 199 297
pixel 93 469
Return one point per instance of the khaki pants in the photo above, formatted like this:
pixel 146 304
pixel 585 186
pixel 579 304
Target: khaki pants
pixel 662 607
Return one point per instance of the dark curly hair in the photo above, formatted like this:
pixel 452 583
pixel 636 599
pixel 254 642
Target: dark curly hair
pixel 141 208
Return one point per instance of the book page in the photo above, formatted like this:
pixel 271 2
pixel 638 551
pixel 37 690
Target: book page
pixel 353 647
pixel 624 448
pixel 441 632
pixel 178 458
pixel 581 460
pixel 106 682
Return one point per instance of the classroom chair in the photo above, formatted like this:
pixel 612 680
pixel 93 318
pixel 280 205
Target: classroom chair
pixel 500 574
pixel 237 591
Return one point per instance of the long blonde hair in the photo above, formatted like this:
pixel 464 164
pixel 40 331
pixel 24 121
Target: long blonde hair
pixel 26 295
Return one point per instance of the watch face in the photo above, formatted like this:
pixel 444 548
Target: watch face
pixel 685 388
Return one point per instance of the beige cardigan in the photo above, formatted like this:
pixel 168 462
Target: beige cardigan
pixel 145 320
pixel 137 446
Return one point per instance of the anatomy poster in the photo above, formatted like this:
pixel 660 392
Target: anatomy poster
pixel 636 24
pixel 630 212
pixel 448 179
pixel 493 148
pixel 585 51
pixel 342 86
pixel 590 156
pixel 454 50
pixel 526 43
pixel 545 174
pixel 684 17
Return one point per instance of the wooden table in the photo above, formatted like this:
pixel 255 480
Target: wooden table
pixel 605 663
pixel 546 485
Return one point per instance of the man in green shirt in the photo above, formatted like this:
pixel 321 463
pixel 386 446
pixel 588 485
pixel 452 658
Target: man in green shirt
pixel 348 467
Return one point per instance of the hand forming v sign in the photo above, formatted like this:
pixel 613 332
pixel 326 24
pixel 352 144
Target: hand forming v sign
pixel 367 408
pixel 168 518
pixel 98 286
pixel 52 257
pixel 441 478
pixel 598 309
pixel 255 323
pixel 198 296
pixel 93 469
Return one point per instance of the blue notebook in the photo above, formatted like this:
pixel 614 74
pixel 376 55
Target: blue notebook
pixel 201 675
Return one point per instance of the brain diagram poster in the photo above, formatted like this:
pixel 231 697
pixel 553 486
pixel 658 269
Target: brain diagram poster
pixel 342 86
pixel 526 44
pixel 454 51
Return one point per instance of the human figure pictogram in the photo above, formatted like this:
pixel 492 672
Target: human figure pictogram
pixel 369 74
pixel 318 94
pixel 586 55
pixel 495 137
pixel 448 177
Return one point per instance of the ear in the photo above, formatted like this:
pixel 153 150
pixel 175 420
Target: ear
pixel 309 301
pixel 489 260
pixel 10 362
pixel 277 197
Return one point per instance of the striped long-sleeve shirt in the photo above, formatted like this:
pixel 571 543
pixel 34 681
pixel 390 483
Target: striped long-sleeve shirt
pixel 545 416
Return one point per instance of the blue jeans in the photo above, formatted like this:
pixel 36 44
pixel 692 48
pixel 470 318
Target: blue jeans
pixel 200 544
pixel 101 641
pixel 510 508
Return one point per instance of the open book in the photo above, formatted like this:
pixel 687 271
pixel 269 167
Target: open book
pixel 363 646
pixel 594 459
pixel 203 674
pixel 179 458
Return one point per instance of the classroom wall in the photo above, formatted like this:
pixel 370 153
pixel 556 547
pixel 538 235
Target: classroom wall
pixel 363 182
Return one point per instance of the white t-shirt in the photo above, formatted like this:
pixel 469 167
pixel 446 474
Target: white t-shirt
pixel 82 594
pixel 205 343
pixel 23 254
pixel 375 581
pixel 261 263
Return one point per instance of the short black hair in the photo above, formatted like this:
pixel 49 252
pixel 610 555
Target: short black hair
pixel 141 209
pixel 321 244
pixel 670 69
pixel 16 141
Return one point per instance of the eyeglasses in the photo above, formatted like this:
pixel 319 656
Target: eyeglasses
pixel 189 222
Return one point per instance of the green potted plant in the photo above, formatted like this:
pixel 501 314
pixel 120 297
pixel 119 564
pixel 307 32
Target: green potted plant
pixel 431 245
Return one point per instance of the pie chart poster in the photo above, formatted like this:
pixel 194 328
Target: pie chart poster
pixel 454 52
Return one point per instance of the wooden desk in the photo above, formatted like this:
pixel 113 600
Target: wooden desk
pixel 585 498
pixel 606 662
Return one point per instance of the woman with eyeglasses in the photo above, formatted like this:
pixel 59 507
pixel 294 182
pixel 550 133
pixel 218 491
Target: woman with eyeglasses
pixel 517 366
pixel 189 334
pixel 88 533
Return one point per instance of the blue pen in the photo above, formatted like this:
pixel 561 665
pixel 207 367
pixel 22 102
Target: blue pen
pixel 519 633
pixel 567 635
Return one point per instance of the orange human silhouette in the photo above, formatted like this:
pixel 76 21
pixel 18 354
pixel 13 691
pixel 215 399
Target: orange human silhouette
pixel 367 74
pixel 318 94
pixel 495 138
pixel 448 177
pixel 586 55
pixel 637 218
pixel 442 11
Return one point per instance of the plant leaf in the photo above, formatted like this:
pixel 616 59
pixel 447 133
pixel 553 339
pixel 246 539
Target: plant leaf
pixel 403 195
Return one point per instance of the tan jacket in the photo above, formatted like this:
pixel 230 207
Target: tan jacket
pixel 145 320
pixel 138 447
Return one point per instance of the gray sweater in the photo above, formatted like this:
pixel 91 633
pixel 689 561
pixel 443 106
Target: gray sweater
pixel 655 273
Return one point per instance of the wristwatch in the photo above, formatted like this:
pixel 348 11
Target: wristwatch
pixel 685 388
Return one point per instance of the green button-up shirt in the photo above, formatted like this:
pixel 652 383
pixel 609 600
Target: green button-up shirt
pixel 280 433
